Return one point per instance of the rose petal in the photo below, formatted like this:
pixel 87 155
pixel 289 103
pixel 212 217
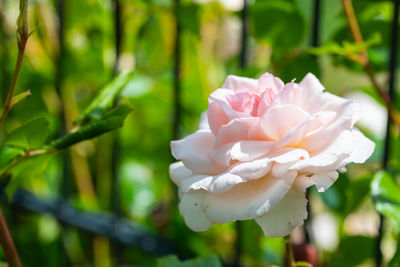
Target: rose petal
pixel 216 117
pixel 287 215
pixel 178 172
pixel 295 136
pixel 250 150
pixel 327 160
pixel 203 123
pixel 324 180
pixel 240 84
pixel 190 208
pixel 363 147
pixel 235 130
pixel 279 120
pixel 269 81
pixel 318 140
pixel 306 95
pixel 193 151
pixel 247 200
pixel 311 83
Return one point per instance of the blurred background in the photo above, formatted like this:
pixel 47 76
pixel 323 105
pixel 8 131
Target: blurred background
pixel 110 201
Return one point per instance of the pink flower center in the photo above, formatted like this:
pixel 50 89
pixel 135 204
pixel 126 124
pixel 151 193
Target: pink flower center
pixel 245 102
pixel 253 104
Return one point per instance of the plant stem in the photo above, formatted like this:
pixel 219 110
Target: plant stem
pixel 289 258
pixel 364 60
pixel 23 35
pixel 9 250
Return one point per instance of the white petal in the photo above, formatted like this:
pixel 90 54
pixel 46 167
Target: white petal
pixel 203 124
pixel 236 130
pixel 295 136
pixel 327 160
pixel 305 97
pixel 250 149
pixel 323 137
pixel 268 81
pixel 193 151
pixel 178 172
pixel 290 212
pixel 311 82
pixel 279 120
pixel 324 180
pixel 363 147
pixel 247 200
pixel 190 208
pixel 240 84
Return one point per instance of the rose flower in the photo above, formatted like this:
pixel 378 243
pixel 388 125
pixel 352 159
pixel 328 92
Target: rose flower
pixel 260 144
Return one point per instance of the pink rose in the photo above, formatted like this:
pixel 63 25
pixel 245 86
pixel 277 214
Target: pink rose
pixel 260 144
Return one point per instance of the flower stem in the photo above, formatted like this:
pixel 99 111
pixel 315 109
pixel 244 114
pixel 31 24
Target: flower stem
pixel 289 258
pixel 365 62
pixel 23 35
pixel 9 250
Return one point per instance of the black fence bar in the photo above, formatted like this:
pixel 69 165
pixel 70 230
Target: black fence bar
pixel 386 152
pixel 177 73
pixel 242 64
pixel 314 43
pixel 117 248
pixel 105 224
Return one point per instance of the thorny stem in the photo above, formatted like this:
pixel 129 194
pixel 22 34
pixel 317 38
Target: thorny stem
pixel 22 38
pixel 9 250
pixel 364 60
pixel 289 258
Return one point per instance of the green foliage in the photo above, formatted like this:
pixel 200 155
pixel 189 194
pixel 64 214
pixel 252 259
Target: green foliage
pixel 8 156
pixel 31 135
pixel 386 195
pixel 354 250
pixel 272 19
pixel 173 261
pixel 105 98
pixel 345 195
pixel 110 121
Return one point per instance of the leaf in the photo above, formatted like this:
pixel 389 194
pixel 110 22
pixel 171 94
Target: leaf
pixel 173 261
pixel 31 135
pixel 20 97
pixel 336 196
pixel 386 195
pixel 112 120
pixel 27 169
pixel 273 20
pixel 105 99
pixel 394 262
pixel 9 155
pixel 354 250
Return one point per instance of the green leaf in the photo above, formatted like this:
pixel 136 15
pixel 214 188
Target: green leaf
pixel 336 196
pixel 273 20
pixel 354 250
pixel 20 97
pixel 394 262
pixel 9 155
pixel 112 120
pixel 105 99
pixel 386 195
pixel 303 264
pixel 31 135
pixel 26 170
pixel 173 261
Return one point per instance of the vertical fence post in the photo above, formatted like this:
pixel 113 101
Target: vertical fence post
pixel 314 43
pixel 59 77
pixel 242 64
pixel 115 191
pixel 177 73
pixel 392 80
